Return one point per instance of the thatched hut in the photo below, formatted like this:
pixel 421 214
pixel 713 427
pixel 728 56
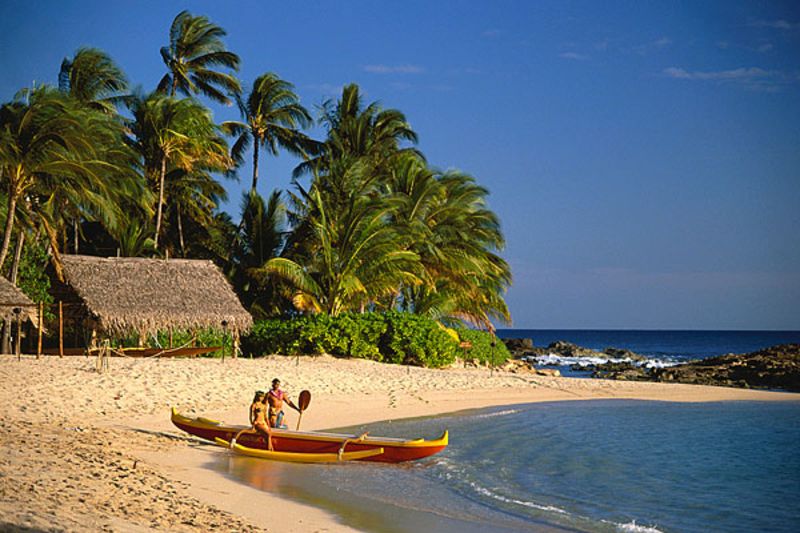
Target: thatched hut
pixel 15 307
pixel 11 299
pixel 122 296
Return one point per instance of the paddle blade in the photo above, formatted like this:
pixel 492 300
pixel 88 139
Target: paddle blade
pixel 304 400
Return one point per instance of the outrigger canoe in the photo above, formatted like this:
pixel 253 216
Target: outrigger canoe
pixel 313 442
pixel 298 457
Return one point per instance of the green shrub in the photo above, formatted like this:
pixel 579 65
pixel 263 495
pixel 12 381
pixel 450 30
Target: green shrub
pixel 273 336
pixel 482 349
pixel 391 337
pixel 416 340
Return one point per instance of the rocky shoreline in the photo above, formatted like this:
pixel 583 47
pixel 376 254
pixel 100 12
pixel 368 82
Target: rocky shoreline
pixel 776 367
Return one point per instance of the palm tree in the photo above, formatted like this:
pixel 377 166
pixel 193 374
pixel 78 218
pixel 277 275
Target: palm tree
pixel 194 197
pixel 194 53
pixel 272 116
pixel 355 131
pixel 175 133
pixel 455 235
pixel 92 78
pixel 50 147
pixel 261 237
pixel 350 259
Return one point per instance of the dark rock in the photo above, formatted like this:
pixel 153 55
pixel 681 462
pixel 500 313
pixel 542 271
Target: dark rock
pixel 518 345
pixel 569 349
pixel 623 371
pixel 618 353
pixel 777 367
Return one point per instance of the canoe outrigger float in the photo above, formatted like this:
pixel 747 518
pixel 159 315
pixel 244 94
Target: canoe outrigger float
pixel 327 447
pixel 298 457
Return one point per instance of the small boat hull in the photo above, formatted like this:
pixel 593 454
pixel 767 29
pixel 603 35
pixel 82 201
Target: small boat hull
pixel 394 450
pixel 296 457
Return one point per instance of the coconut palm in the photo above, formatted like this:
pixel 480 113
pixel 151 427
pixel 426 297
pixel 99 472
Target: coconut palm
pixel 194 54
pixel 369 132
pixel 261 237
pixel 92 78
pixel 272 116
pixel 193 198
pixel 50 147
pixel 455 236
pixel 172 133
pixel 350 258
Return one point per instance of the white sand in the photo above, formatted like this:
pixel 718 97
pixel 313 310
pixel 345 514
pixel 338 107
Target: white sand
pixel 69 455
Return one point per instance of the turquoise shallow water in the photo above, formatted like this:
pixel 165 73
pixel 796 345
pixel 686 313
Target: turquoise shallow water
pixel 575 466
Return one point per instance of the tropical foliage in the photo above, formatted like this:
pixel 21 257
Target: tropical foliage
pixel 194 53
pixel 273 116
pixel 368 229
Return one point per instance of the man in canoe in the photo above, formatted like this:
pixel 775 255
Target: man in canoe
pixel 275 399
pixel 258 417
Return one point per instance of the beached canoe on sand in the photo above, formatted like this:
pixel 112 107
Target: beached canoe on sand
pixel 284 440
pixel 299 457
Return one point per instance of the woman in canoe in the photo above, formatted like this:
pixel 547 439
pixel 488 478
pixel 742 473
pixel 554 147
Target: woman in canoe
pixel 275 399
pixel 258 417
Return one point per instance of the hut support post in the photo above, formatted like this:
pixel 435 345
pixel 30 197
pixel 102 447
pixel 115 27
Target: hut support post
pixel 39 327
pixel 18 338
pixel 60 328
pixel 170 337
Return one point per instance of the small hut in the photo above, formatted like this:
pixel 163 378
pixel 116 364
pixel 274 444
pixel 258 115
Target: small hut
pixel 15 307
pixel 123 296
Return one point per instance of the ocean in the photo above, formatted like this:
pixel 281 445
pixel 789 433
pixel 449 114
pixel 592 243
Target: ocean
pixel 601 465
pixel 661 347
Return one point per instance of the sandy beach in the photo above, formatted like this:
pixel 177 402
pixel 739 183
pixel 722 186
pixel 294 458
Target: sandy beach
pixel 89 451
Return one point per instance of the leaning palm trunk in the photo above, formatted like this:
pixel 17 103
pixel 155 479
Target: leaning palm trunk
pixel 12 207
pixel 53 238
pixel 160 199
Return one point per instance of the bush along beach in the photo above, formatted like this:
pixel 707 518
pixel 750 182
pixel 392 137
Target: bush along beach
pixel 392 337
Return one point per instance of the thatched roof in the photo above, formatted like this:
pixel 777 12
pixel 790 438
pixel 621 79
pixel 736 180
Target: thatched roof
pixel 12 298
pixel 125 295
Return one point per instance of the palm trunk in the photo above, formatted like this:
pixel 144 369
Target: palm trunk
pixel 13 278
pixel 255 164
pixel 17 257
pixel 52 236
pixel 75 226
pixel 12 208
pixel 180 232
pixel 160 199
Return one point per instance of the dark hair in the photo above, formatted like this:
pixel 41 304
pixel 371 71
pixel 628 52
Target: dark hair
pixel 276 380
pixel 259 394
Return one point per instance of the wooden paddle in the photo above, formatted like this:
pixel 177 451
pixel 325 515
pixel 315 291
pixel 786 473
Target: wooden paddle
pixel 302 405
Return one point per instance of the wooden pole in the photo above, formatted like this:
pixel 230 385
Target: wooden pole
pixel 60 328
pixel 39 342
pixel 170 337
pixel 18 340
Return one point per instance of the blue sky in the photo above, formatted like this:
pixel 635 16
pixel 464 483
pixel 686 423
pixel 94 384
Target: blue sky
pixel 644 157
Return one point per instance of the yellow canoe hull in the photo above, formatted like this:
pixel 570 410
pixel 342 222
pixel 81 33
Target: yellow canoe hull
pixel 299 457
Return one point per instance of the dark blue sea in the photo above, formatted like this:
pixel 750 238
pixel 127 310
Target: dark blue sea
pixel 661 347
pixel 611 465
pixel 673 344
